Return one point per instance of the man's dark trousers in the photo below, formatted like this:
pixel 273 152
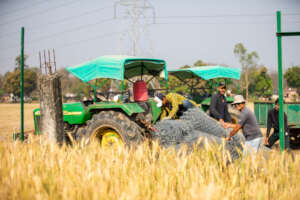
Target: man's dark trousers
pixel 275 136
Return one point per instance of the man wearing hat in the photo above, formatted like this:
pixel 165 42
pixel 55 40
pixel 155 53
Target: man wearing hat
pixel 173 105
pixel 248 123
pixel 218 105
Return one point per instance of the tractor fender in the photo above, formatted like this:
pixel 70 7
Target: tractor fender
pixel 128 108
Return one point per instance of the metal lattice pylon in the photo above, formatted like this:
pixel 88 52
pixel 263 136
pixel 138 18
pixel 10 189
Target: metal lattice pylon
pixel 135 14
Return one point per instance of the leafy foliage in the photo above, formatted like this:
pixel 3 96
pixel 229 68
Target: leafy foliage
pixel 185 66
pixel 1 85
pixel 247 61
pixel 11 81
pixel 71 84
pixel 18 61
pixel 200 63
pixel 261 83
pixel 176 85
pixel 292 76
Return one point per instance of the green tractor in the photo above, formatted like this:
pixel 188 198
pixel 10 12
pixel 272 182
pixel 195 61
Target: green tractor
pixel 119 122
pixel 201 94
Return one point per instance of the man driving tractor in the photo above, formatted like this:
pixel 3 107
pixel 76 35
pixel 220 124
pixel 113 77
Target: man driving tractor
pixel 173 105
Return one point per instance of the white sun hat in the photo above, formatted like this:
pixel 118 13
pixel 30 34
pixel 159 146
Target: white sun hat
pixel 238 99
pixel 158 102
pixel 117 98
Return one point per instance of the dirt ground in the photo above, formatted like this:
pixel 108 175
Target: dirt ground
pixel 10 117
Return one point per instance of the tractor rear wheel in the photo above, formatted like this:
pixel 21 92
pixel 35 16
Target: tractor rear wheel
pixel 111 129
pixel 295 138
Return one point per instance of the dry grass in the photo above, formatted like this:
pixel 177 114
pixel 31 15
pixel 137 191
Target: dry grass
pixel 39 171
pixel 35 171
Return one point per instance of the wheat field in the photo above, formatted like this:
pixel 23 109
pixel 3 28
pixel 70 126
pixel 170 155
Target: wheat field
pixel 36 170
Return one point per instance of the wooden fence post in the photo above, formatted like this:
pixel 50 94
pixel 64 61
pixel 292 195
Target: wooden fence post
pixel 52 124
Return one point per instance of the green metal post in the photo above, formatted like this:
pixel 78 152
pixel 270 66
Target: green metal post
pixel 166 76
pixel 280 87
pixel 122 87
pixel 218 81
pixel 22 84
pixel 192 88
pixel 95 91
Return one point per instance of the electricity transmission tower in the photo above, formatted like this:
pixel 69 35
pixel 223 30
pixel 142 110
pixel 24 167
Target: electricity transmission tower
pixel 136 14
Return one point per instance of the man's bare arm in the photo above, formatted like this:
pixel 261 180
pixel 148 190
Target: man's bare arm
pixel 236 128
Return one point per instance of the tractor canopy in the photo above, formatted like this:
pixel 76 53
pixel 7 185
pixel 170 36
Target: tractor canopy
pixel 118 67
pixel 206 72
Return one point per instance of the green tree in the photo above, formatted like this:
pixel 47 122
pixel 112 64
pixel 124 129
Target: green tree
pixel 292 76
pixel 261 84
pixel 175 85
pixel 247 60
pixel 1 81
pixel 18 62
pixel 11 80
pixel 1 85
pixel 200 63
pixel 185 66
pixel 71 84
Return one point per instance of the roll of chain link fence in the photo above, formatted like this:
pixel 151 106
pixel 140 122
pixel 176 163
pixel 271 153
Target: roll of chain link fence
pixel 194 129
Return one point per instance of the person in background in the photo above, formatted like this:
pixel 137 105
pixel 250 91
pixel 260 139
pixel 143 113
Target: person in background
pixel 248 123
pixel 173 105
pixel 218 105
pixel 273 122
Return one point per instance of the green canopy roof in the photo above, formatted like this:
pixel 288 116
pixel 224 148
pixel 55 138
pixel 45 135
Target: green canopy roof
pixel 207 72
pixel 117 67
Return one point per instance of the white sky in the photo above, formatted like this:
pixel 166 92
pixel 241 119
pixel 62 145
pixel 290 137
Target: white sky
pixel 184 32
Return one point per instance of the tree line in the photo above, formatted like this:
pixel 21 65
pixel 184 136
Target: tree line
pixel 256 80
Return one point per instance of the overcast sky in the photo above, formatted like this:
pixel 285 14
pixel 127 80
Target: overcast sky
pixel 183 32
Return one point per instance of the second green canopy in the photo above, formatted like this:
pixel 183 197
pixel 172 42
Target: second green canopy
pixel 206 72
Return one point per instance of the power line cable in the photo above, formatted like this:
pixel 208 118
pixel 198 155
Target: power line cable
pixel 41 12
pixel 22 8
pixel 244 23
pixel 224 15
pixel 59 21
pixel 65 45
pixel 92 38
pixel 212 16
pixel 162 17
pixel 194 23
pixel 72 29
pixel 63 32
pixel 290 14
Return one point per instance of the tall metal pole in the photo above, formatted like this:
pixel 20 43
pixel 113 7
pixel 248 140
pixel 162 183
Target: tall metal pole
pixel 22 84
pixel 280 87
